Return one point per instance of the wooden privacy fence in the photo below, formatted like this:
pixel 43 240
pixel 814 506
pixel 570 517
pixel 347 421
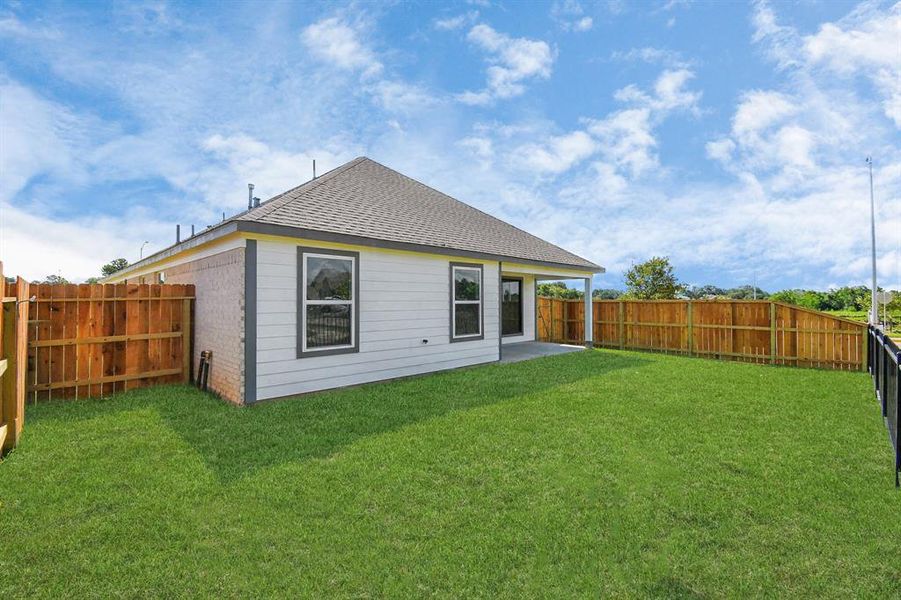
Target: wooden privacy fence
pixel 13 359
pixel 92 339
pixel 745 330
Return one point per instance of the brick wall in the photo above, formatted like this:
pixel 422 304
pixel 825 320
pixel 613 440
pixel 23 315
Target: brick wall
pixel 218 317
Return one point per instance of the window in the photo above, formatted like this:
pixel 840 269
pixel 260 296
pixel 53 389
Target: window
pixel 511 306
pixel 327 302
pixel 466 302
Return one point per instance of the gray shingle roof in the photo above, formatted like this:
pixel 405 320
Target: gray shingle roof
pixel 363 198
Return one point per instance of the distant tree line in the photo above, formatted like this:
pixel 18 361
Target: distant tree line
pixel 117 264
pixel 654 279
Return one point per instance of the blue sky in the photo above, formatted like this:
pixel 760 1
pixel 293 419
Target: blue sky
pixel 728 136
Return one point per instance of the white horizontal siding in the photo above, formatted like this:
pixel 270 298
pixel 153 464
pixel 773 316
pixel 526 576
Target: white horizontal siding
pixel 404 299
pixel 528 310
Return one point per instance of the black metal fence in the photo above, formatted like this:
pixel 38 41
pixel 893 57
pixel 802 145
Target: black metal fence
pixel 884 364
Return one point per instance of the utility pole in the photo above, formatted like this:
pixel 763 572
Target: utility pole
pixel 874 309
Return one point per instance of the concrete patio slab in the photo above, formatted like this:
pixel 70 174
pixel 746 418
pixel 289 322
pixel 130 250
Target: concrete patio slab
pixel 527 350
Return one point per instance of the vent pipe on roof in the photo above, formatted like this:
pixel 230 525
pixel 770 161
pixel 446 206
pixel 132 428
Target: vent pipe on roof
pixel 177 233
pixel 249 196
pixel 314 168
pixel 256 202
pixel 192 229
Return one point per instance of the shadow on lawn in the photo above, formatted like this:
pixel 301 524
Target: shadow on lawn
pixel 235 442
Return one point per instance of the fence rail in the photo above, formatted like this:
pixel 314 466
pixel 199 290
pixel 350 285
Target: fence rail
pixel 745 330
pixel 93 339
pixel 884 365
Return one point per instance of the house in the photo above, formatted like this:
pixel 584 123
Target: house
pixel 359 275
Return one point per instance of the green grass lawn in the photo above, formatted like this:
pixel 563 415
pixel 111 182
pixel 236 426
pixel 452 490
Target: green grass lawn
pixel 596 473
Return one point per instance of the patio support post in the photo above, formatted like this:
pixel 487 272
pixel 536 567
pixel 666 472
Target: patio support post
pixel 589 315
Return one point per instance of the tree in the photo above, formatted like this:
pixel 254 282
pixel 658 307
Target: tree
pixel 705 291
pixel 805 298
pixel 53 280
pixel 747 292
pixel 92 280
pixel 606 294
pixel 895 305
pixel 653 280
pixel 556 289
pixel 112 266
pixel 848 298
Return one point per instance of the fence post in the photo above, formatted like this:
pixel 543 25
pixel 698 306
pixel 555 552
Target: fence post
pixel 866 352
pixel 897 419
pixel 8 380
pixel 553 330
pixel 186 350
pixel 690 329
pixel 622 325
pixel 772 333
pixel 897 400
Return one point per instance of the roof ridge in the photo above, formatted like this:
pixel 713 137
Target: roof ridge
pixel 479 210
pixel 272 203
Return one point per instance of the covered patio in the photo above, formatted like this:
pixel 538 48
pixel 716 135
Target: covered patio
pixel 519 310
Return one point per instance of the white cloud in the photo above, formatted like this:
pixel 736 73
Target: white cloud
pixel 767 133
pixel 482 98
pixel 627 140
pixel 720 150
pixel 559 154
pixel 338 42
pixel 781 42
pixel 512 62
pixel 335 41
pixel 796 151
pixel 874 41
pixel 242 159
pixel 622 141
pixel 401 97
pixel 864 44
pixel 482 147
pixel 583 24
pixel 626 136
pixel 651 55
pixel 37 138
pixel 34 246
pixel 671 92
pixel 794 145
pixel 11 26
pixel 457 22
pixel 570 16
pixel 759 110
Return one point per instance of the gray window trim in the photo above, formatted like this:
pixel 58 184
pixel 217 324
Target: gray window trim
pixel 522 316
pixel 469 338
pixel 301 353
pixel 250 322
